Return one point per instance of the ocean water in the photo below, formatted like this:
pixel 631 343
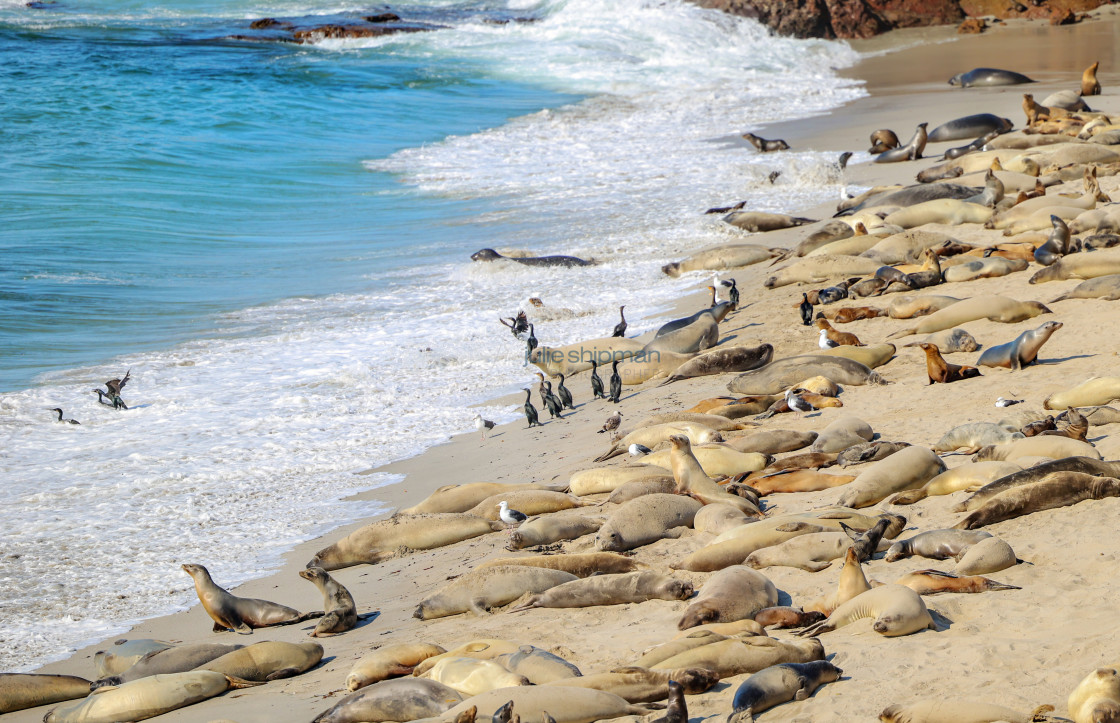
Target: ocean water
pixel 275 239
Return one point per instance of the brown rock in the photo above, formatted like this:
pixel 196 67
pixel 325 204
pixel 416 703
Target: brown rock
pixel 972 26
pixel 265 23
pixel 383 18
pixel 1062 16
pixel 917 13
pixel 323 32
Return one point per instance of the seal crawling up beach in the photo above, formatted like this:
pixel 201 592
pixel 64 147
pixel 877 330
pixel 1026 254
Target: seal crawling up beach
pixel 568 261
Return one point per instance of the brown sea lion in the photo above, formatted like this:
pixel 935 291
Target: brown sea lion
pixel 933 582
pixel 851 313
pixel 1021 352
pixel 841 338
pixel 1059 489
pixel 764 145
pixel 1038 427
pixel 1075 426
pixel 787 617
pixel 882 140
pixel 799 481
pixel 240 614
pixel 270 660
pixel 341 612
pixel 943 372
pixel 1089 83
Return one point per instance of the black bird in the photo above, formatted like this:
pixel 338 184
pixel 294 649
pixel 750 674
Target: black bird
pixel 596 382
pixel 806 310
pixel 620 327
pixel 564 394
pixel 530 410
pixel 68 421
pixel 552 402
pixel 733 295
pixel 531 342
pixel 616 383
pixel 110 400
pixel 541 390
pixel 518 324
pixel 115 386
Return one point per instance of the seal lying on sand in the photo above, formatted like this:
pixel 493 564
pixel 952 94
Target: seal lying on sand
pixel 779 684
pixel 984 77
pixel 568 261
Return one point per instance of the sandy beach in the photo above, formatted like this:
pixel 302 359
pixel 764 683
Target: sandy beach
pixel 1018 648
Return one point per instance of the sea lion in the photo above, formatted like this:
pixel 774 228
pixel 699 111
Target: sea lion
pixel 646 519
pixel 907 307
pixel 784 617
pixel 1036 473
pixel 784 373
pixel 574 358
pixel 1080 266
pixel 842 433
pixel 145 698
pixel 179 659
pixel 1039 446
pixel 29 690
pixel 968 477
pixel 1098 416
pixel 647 486
pixel 975 436
pixel 717 518
pixel 722 361
pixel 1021 352
pixel 717 311
pixel 897 610
pixel 987 77
pixel 1076 426
pixel 936 545
pixel 799 481
pixel 852 582
pixel 341 612
pixel 734 593
pixel 736 656
pixel 554 528
pixel 403 699
pixel 943 210
pixel 1096 699
pixel 716 459
pixel 480 590
pixel 642 685
pixel 815 269
pixel 566 261
pixel 472 676
pixel 991 267
pixel 607 479
pixel 883 139
pixel 1042 425
pixel 1092 392
pixel 564 704
pixel 934 582
pixel 381 540
pixel 240 614
pixel 813 552
pixel 946 710
pixel 940 371
pixel 866 542
pixel 124 654
pixel 909 468
pixel 1102 287
pixel 632 587
pixel 910 152
pixel 1089 83
pixel 993 308
pixel 722 258
pixel 862 453
pixel 270 660
pixel 759 221
pixel 531 502
pixel 988 555
pixel 692 480
pixel 764 145
pixel 773 441
pixel 969 127
pixel 389 661
pixel 1056 245
pixel 652 436
pixel 460 498
pixel 779 684
pixel 1059 489
pixel 581 565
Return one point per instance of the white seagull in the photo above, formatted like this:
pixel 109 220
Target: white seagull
pixel 513 518
pixel 639 450
pixel 825 342
pixel 796 403
pixel 482 424
pixel 1001 402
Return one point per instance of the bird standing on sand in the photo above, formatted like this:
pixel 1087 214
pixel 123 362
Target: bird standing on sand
pixel 551 402
pixel 639 450
pixel 616 383
pixel 1001 402
pixel 564 394
pixel 825 342
pixel 530 410
pixel 512 518
pixel 596 382
pixel 531 342
pixel 733 294
pixel 620 327
pixel 482 424
pixel 540 388
pixel 797 403
pixel 806 310
pixel 67 421
pixel 612 423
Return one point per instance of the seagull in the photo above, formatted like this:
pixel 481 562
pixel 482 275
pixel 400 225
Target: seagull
pixel 68 421
pixel 1001 402
pixel 825 342
pixel 796 403
pixel 513 518
pixel 482 424
pixel 639 450
pixel 612 423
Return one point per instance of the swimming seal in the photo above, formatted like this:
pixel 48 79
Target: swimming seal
pixel 970 126
pixel 240 614
pixel 1021 352
pixel 984 77
pixel 341 613
pixel 567 261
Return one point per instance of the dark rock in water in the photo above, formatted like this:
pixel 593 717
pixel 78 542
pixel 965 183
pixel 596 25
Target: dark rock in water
pixel 324 32
pixel 40 4
pixel 383 18
pixel 264 23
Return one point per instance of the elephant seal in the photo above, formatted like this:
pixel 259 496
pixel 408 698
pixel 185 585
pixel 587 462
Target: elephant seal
pixel 1102 287
pixel 388 662
pixel 897 610
pixel 341 612
pixel 759 221
pixel 987 77
pixel 179 659
pixel 646 519
pixel 270 660
pixel 381 540
pixel 1038 446
pixel 908 469
pixel 607 479
pixel 948 211
pixel 472 676
pixel 145 698
pixel 647 486
pixel 1088 465
pixel 1092 392
pixel 883 139
pixel 782 374
pixel 869 356
pixel 483 649
pixel 240 614
pixel 968 477
pixel 460 498
pixel 1080 266
pixel 584 564
pixel 784 617
pixel 631 587
pixel 1059 489
pixel 491 587
pixel 554 528
pixel 992 308
pixel 773 441
pixel 989 268
pixel 842 433
pixel 779 684
pixel 717 518
pixel 722 361
pixel 975 436
pixel 701 334
pixel 19 691
pixel 642 685
pixel 862 453
pixel 951 341
pixel 393 700
pixel 936 544
pixel 565 261
pixel 734 593
pixel 988 555
pixel 816 269
pixel 1021 352
pixel 564 704
pixel 739 628
pixel 736 656
pixel 1076 426
pixel 942 710
pixel 934 582
pixel 658 433
pixel 1096 698
pixel 912 151
pixel 722 258
pixel 813 552
pixel 942 372
pixel 717 459
pixel 124 654
pixel 799 481
pixel 687 641
pixel 970 126
pixel 906 306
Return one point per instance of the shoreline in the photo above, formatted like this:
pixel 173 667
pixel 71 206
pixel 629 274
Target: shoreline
pixel 561 448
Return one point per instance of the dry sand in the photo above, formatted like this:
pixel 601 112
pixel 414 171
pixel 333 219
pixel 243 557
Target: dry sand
pixel 1018 648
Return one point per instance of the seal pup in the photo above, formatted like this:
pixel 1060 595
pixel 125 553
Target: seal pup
pixel 240 614
pixel 1021 352
pixel 766 146
pixel 912 151
pixel 882 140
pixel 530 410
pixel 940 371
pixel 1076 426
pixel 1096 699
pixel 1089 83
pixel 60 419
pixel 779 684
pixel 341 613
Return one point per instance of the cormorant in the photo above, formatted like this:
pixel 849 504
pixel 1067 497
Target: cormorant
pixel 68 421
pixel 596 382
pixel 616 383
pixel 806 310
pixel 530 410
pixel 620 327
pixel 564 394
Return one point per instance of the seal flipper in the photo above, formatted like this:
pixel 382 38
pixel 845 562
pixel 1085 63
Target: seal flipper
pixel 235 682
pixel 282 673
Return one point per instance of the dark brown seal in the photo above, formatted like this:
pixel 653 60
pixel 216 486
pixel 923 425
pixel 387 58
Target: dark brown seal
pixel 1056 490
pixel 883 139
pixel 852 313
pixel 786 617
pixel 943 372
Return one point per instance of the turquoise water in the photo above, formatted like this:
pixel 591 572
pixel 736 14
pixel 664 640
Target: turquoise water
pixel 274 239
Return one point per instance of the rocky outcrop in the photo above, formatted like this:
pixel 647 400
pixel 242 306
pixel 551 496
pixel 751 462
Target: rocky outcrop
pixel 864 18
pixel 314 29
